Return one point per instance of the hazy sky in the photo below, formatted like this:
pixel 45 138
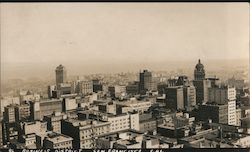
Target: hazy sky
pixel 107 32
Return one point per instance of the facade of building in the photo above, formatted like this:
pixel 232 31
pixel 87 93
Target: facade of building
pixel 124 139
pixel 161 87
pixel 109 108
pixel 124 122
pixel 22 112
pixel 9 129
pixel 61 74
pixel 86 87
pixel 245 123
pixel 54 122
pixel 189 97
pixel 199 72
pixel 52 91
pixel 148 125
pixel 202 92
pixel 1 132
pixel 8 101
pixel 222 94
pixel 132 88
pixel 232 112
pixel 172 81
pixel 29 97
pixel 117 91
pixel 45 108
pixel 133 105
pixel 237 83
pixel 64 89
pixel 69 104
pixel 97 86
pixel 118 122
pixel 145 78
pixel 84 133
pixel 217 113
pixel 9 113
pixel 182 80
pixel 30 127
pixel 57 141
pixel 225 95
pixel 238 116
pixel 174 97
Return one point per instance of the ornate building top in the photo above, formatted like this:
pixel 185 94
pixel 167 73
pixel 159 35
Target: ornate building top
pixel 199 72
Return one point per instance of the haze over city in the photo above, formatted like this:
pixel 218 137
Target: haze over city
pixel 108 38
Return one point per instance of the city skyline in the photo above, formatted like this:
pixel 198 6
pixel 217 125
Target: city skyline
pixel 21 71
pixel 124 76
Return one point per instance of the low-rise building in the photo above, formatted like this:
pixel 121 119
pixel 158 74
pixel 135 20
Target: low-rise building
pixel 57 141
pixel 84 132
pixel 133 105
pixel 54 122
pixel 127 139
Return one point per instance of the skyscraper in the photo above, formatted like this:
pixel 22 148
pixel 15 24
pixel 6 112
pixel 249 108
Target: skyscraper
pixel 202 87
pixel 225 95
pixel 189 97
pixel 201 84
pixel 175 97
pixel 145 81
pixel 199 72
pixel 61 74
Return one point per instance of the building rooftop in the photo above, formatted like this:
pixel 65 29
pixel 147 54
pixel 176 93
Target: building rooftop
pixel 60 67
pixel 58 138
pixel 115 135
pixel 245 119
pixel 84 124
pixel 130 102
pixel 127 142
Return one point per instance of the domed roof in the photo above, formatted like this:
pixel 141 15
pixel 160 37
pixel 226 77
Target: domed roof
pixel 199 65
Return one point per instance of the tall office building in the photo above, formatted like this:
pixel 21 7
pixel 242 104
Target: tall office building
pixel 145 81
pixel 222 95
pixel 202 87
pixel 1 133
pixel 97 86
pixel 9 130
pixel 61 74
pixel 199 72
pixel 225 95
pixel 201 84
pixel 175 97
pixel 22 112
pixel 9 113
pixel 189 97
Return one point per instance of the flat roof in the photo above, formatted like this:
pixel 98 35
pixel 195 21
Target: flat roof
pixel 58 138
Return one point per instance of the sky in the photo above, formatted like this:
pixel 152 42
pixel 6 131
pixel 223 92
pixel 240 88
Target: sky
pixel 120 33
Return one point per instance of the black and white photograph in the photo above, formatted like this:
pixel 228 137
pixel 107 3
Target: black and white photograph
pixel 124 75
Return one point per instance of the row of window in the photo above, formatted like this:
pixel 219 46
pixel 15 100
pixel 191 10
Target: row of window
pixel 67 143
